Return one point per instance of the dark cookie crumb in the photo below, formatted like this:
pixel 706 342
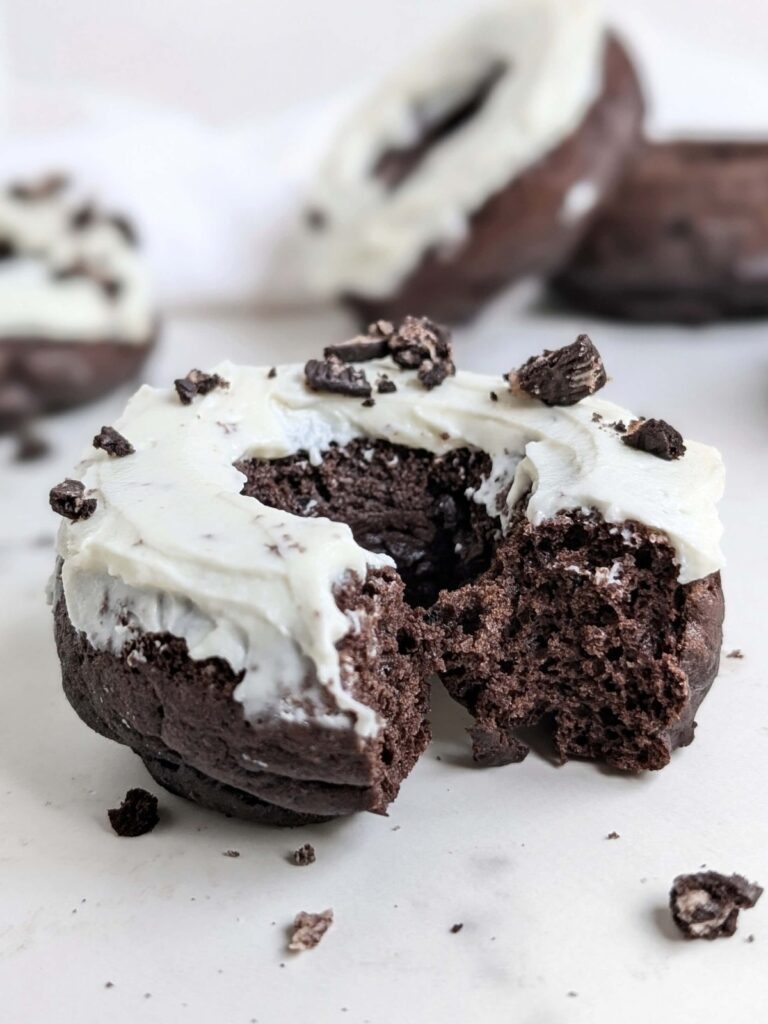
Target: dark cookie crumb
pixel 113 443
pixel 597 417
pixel 369 403
pixel 272 373
pixel 619 426
pixel 424 346
pixel 735 653
pixel 197 383
pixel 562 377
pixel 494 397
pixel 372 345
pixel 68 499
pixel 83 217
pixel 456 928
pixel 495 749
pixel 231 853
pixel 109 984
pixel 657 438
pixel 308 930
pixel 707 905
pixel 30 446
pixel 336 376
pixel 304 855
pixel 136 815
pixel 385 386
pixel 613 835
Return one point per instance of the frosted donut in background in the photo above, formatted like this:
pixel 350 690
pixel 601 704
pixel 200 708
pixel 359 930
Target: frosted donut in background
pixel 481 161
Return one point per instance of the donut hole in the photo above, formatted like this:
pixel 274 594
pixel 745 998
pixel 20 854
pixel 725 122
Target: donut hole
pixel 409 504
pixel 437 121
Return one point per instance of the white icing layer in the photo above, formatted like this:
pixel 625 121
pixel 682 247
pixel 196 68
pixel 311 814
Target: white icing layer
pixel 374 237
pixel 35 303
pixel 174 546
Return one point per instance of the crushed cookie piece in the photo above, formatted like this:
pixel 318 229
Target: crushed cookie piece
pixel 113 443
pixel 304 855
pixel 494 397
pixel 68 499
pixel 197 383
pixel 656 437
pixel 385 386
pixel 363 347
pixel 613 835
pixel 231 853
pixel 136 815
pixel 707 905
pixel 619 426
pixel 336 376
pixel 493 749
pixel 736 653
pixel 308 930
pixel 369 403
pixel 272 373
pixel 421 345
pixel 597 417
pixel 456 928
pixel 561 377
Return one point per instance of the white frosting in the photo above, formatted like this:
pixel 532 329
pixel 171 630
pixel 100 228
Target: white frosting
pixel 34 304
pixel 374 237
pixel 174 546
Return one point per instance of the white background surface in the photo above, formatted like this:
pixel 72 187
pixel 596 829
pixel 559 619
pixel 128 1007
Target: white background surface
pixel 518 854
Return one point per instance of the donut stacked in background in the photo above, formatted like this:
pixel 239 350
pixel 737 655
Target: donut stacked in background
pixel 515 148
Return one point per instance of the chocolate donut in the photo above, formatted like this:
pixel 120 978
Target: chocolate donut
pixel 481 162
pixel 76 317
pixel 258 570
pixel 685 239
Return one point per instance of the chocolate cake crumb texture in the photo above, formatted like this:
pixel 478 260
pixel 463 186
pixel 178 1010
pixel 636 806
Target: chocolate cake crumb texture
pixel 706 905
pixel 424 346
pixel 495 748
pixel 197 383
pixel 334 375
pixel 68 499
pixel 563 376
pixel 304 855
pixel 136 815
pixel 113 443
pixel 656 437
pixel 308 930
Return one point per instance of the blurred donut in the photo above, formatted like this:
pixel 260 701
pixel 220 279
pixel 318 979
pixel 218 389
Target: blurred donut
pixel 480 162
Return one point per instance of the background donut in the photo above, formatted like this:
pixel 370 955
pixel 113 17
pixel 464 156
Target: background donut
pixel 76 316
pixel 483 162
pixel 685 239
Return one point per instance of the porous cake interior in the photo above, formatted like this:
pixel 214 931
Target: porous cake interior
pixel 576 622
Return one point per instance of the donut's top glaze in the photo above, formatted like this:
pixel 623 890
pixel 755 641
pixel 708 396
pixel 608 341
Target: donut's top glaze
pixel 507 87
pixel 68 270
pixel 174 546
